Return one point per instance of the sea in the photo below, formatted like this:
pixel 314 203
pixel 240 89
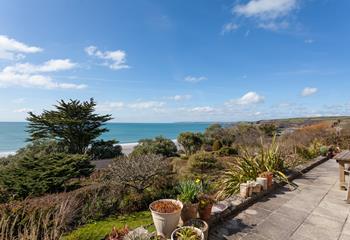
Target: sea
pixel 13 135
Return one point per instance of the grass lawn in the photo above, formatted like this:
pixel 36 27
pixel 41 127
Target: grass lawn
pixel 99 229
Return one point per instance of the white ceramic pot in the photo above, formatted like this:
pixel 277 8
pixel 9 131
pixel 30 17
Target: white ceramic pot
pixel 198 231
pixel 165 223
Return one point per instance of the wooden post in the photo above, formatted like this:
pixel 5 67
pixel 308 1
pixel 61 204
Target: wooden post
pixel 341 175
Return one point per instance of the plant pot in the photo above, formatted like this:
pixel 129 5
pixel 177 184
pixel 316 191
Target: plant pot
pixel 189 211
pixel 165 222
pixel 205 212
pixel 269 177
pixel 244 190
pixel 200 224
pixel 263 182
pixel 198 231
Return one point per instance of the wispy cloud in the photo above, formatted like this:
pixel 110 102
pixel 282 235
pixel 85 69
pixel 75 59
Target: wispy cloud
pixel 22 110
pixel 180 97
pixel 194 79
pixel 205 109
pixel 309 41
pixel 267 14
pixel 11 49
pixel 115 60
pixel 246 99
pixel 29 75
pixel 146 105
pixel 308 91
pixel 229 27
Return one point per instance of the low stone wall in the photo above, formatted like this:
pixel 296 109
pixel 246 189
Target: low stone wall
pixel 237 204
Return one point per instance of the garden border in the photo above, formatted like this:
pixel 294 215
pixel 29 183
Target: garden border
pixel 237 204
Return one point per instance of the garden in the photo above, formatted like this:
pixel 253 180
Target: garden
pixel 50 189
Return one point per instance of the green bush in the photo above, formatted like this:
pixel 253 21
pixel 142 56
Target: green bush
pixel 158 146
pixel 105 149
pixel 217 145
pixel 227 151
pixel 202 163
pixel 190 142
pixel 35 174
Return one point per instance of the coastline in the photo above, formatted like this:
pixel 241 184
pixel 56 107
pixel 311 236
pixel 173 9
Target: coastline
pixel 126 148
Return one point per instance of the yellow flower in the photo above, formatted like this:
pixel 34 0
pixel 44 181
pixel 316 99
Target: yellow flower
pixel 198 180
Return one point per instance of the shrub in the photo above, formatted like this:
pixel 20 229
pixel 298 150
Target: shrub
pixel 158 146
pixel 191 142
pixel 202 163
pixel 249 165
pixel 34 175
pixel 138 171
pixel 105 149
pixel 217 145
pixel 50 216
pixel 227 151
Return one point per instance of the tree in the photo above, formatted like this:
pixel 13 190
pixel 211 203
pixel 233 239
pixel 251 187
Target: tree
pixel 216 132
pixel 138 171
pixel 73 124
pixel 158 146
pixel 35 174
pixel 105 149
pixel 191 142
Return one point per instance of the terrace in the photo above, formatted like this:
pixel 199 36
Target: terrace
pixel 316 209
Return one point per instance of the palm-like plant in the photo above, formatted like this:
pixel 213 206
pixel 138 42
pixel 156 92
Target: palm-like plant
pixel 249 165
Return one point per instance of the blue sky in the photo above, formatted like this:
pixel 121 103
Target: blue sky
pixel 166 61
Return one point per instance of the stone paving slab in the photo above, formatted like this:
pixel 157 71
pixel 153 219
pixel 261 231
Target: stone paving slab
pixel 315 210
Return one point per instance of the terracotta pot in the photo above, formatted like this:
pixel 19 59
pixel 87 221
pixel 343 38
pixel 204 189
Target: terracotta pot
pixel 165 223
pixel 269 177
pixel 189 211
pixel 205 212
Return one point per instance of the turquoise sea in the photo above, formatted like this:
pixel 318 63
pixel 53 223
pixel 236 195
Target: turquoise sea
pixel 13 135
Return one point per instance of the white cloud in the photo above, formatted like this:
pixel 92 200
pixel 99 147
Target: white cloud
pixel 12 49
pixel 265 9
pixel 180 97
pixel 109 106
pixel 113 59
pixel 146 105
pixel 193 79
pixel 205 109
pixel 273 26
pixel 308 91
pixel 22 110
pixel 29 75
pixel 229 27
pixel 247 99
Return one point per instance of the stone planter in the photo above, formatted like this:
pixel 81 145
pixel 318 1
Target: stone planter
pixel 263 182
pixel 189 211
pixel 200 224
pixel 244 190
pixel 165 222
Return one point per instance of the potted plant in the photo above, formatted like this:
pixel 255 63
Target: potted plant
pixel 187 233
pixel 166 215
pixel 188 195
pixel 205 206
pixel 200 224
pixel 269 177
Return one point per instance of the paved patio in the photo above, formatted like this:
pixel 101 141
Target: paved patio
pixel 315 210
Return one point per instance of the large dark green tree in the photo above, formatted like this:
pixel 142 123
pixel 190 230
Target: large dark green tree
pixel 73 124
